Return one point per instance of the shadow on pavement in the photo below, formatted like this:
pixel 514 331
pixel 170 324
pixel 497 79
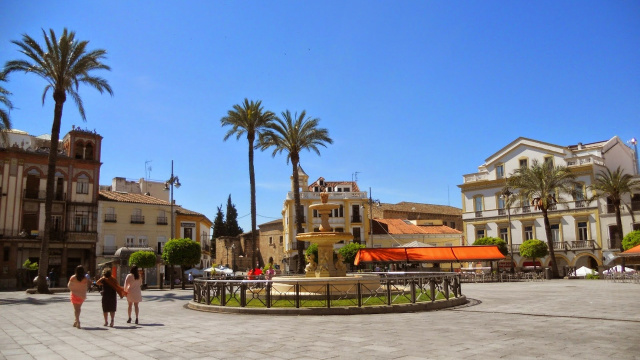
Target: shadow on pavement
pixel 93 328
pixel 168 297
pixel 33 301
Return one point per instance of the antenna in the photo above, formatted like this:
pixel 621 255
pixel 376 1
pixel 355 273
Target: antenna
pixel 354 176
pixel 147 169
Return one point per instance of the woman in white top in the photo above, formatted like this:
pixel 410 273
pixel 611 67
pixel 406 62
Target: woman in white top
pixel 133 284
pixel 78 289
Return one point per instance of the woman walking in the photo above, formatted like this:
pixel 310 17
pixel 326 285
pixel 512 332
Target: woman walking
pixel 110 289
pixel 132 285
pixel 78 288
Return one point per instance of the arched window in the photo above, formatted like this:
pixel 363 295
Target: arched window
pixel 88 151
pixel 79 154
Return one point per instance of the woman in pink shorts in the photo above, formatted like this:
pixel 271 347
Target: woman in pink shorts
pixel 78 286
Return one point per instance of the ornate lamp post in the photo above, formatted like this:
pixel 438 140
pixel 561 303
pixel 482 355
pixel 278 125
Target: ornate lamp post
pixel 506 196
pixel 168 185
pixel 634 142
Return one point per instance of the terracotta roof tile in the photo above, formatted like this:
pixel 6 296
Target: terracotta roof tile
pixel 334 184
pixel 399 226
pixel 412 207
pixel 130 198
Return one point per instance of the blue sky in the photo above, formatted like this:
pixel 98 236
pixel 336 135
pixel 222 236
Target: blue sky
pixel 414 93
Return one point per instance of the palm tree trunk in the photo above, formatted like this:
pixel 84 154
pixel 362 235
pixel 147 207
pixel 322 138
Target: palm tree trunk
pixel 252 181
pixel 48 202
pixel 296 199
pixel 552 253
pixel 616 205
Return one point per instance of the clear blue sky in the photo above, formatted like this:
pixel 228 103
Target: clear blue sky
pixel 414 93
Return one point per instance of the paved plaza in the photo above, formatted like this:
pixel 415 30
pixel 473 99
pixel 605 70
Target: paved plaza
pixel 560 319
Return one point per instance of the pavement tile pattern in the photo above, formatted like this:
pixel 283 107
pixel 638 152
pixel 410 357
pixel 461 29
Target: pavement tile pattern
pixel 559 319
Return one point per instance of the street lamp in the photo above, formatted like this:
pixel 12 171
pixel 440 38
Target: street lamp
pixel 371 202
pixel 168 185
pixel 506 196
pixel 634 142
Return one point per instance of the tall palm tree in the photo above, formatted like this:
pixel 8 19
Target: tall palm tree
pixel 292 134
pixel 249 119
pixel 614 185
pixel 540 183
pixel 5 122
pixel 64 64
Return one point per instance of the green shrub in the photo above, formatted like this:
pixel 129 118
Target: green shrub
pixel 534 249
pixel 501 244
pixel 631 240
pixel 592 276
pixel 312 250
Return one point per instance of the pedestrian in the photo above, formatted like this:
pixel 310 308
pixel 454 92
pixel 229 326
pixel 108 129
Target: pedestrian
pixel 110 289
pixel 88 277
pixel 78 288
pixel 190 278
pixel 133 286
pixel 52 278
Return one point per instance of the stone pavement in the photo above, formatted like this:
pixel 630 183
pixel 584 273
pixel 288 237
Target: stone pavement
pixel 559 319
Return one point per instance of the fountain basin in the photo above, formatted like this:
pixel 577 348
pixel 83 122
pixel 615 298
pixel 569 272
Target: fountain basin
pixel 310 286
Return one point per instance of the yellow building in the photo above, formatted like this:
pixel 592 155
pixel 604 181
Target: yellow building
pixel 133 222
pixel 351 216
pixel 195 226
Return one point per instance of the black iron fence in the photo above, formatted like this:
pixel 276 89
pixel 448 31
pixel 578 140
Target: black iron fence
pixel 385 289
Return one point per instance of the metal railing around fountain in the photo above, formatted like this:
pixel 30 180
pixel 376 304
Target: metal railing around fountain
pixel 394 288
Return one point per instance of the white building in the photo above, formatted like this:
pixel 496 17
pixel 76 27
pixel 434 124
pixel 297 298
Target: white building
pixel 583 231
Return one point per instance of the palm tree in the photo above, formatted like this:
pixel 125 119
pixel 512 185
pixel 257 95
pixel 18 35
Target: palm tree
pixel 5 122
pixel 249 119
pixel 614 185
pixel 540 183
pixel 64 64
pixel 292 134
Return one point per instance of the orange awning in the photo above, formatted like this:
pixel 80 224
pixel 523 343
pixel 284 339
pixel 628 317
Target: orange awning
pixel 477 253
pixel 380 255
pixel 633 252
pixel 430 254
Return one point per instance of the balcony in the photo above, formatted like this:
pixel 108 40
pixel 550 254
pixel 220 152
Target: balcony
pixel 36 194
pixel 332 195
pixel 82 228
pixel 478 214
pixel 585 160
pixel 526 209
pixel 580 204
pixel 560 246
pixel 137 219
pixel 584 245
pixel 162 220
pixel 475 177
pixel 110 218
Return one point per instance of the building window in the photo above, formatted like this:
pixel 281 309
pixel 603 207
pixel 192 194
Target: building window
pixel 270 240
pixel 142 241
pixel 555 232
pixel 524 163
pixel 281 239
pixel 452 224
pixel 582 230
pixel 548 160
pixel 82 185
pixel 110 215
pixel 338 213
pixel 477 203
pixel 81 221
pixel 501 202
pixel 504 234
pixel 480 233
pixel 500 171
pixel 5 254
pixel 161 241
pixel 528 232
pixel 129 241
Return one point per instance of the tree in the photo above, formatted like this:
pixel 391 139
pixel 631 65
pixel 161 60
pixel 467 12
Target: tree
pixel 349 252
pixel 292 134
pixel 534 249
pixel 539 184
pixel 231 223
pixel 614 185
pixel 144 259
pixel 183 252
pixel 64 64
pixel 632 239
pixel 248 119
pixel 218 224
pixel 501 244
pixel 5 122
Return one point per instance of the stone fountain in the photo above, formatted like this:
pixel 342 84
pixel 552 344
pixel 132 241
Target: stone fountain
pixel 327 271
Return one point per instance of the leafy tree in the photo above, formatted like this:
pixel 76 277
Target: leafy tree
pixel 501 244
pixel 540 183
pixel 312 250
pixel 144 259
pixel 534 249
pixel 349 252
pixel 64 64
pixel 632 239
pixel 5 122
pixel 183 252
pixel 218 224
pixel 248 119
pixel 292 134
pixel 614 185
pixel 29 265
pixel 231 224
